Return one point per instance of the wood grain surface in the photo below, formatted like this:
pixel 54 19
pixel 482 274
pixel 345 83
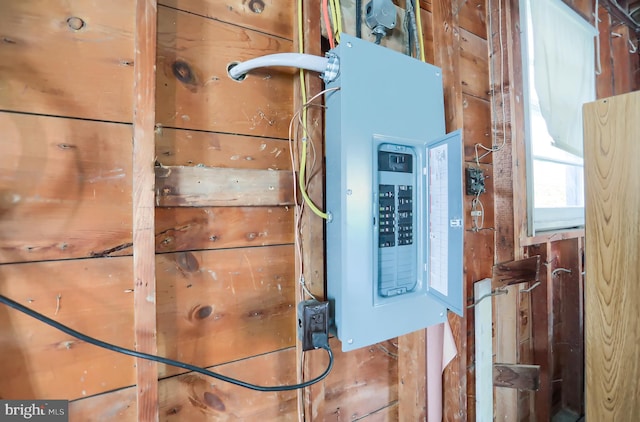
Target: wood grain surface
pixel 612 237
pixel 68 58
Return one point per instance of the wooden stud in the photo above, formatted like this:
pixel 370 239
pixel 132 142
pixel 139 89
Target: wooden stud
pixel 446 40
pixel 542 331
pixel 483 351
pixel 144 94
pixel 412 382
pixel 521 377
pixel 211 187
pixel 312 399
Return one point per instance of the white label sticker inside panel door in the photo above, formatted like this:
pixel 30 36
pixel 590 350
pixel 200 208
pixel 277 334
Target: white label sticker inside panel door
pixel 438 219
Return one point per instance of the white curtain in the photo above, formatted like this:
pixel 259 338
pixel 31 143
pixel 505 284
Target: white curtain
pixel 564 70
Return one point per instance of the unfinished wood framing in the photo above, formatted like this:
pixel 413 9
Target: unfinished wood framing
pixel 182 242
pixel 144 241
pixel 521 377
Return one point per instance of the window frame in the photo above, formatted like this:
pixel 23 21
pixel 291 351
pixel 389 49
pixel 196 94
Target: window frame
pixel 542 219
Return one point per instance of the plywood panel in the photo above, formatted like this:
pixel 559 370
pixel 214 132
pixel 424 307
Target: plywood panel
pixel 65 187
pixel 612 308
pixel 95 298
pixel 194 91
pixel 269 16
pixel 193 148
pixel 218 306
pixel 67 58
pixel 207 186
pixel 474 65
pixel 186 228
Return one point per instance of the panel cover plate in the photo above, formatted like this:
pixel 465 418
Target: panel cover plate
pixel 388 98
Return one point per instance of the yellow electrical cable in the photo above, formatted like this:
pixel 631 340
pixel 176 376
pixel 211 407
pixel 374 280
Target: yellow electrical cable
pixel 303 153
pixel 334 18
pixel 419 25
pixel 338 19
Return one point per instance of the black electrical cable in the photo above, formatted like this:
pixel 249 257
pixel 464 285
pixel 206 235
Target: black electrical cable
pixel 160 359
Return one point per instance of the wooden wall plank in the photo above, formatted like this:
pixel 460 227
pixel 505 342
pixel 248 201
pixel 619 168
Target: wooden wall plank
pixel 245 298
pixel 196 398
pixel 65 187
pixel 604 81
pixel 474 65
pixel 623 79
pixel 612 308
pixel 521 377
pixel 446 39
pixel 268 16
pixel 412 381
pixel 95 298
pixel 144 270
pixel 473 17
pixel 194 90
pixel 362 381
pixel 427 34
pixel 477 129
pixel 209 186
pixel 525 270
pixel 193 148
pixel 358 388
pixel 50 67
pixel 218 306
pixel 185 228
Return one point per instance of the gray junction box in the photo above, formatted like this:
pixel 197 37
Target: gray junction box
pixel 394 195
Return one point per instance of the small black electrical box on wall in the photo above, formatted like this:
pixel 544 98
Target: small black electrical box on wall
pixel 475 181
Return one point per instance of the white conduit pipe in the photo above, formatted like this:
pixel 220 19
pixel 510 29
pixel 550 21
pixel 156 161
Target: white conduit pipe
pixel 299 60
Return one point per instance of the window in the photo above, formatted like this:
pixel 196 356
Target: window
pixel 559 77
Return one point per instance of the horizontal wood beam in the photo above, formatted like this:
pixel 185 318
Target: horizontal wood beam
pixel 521 377
pixel 514 272
pixel 220 187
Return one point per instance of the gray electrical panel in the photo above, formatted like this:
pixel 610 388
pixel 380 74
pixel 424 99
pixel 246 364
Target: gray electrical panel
pixel 394 195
